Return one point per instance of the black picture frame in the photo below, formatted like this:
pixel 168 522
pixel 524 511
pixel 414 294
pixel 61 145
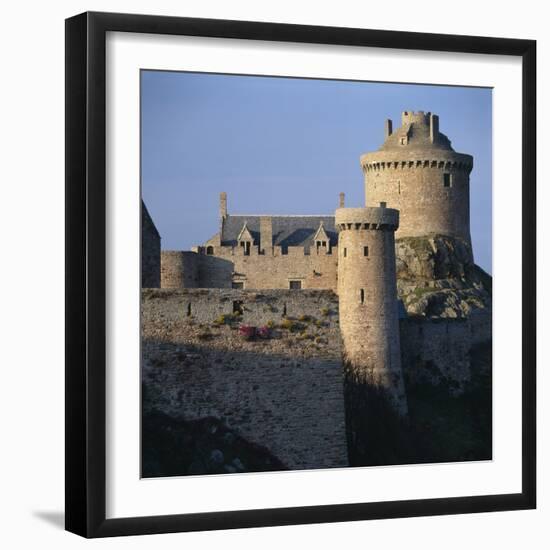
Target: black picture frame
pixel 86 263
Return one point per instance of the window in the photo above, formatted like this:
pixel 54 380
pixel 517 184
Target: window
pixel 237 284
pixel 447 180
pixel 345 252
pixel 295 285
pixel 238 307
pixel 362 295
pixel 246 246
pixel 210 250
pixel 320 244
pixel 403 140
pixel 365 251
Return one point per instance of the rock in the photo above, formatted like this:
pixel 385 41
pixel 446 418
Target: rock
pixel 238 464
pixel 228 438
pixel 437 277
pixel 216 457
pixel 196 468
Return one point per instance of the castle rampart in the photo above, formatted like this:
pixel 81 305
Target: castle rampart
pixel 179 269
pixel 284 393
pixel 275 267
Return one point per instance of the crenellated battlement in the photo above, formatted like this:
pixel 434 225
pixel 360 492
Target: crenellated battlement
pixel 371 218
pixel 273 251
pixel 368 164
pixel 418 117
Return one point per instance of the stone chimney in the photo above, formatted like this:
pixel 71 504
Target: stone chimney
pixel 266 235
pixel 388 128
pixel 223 205
pixel 342 200
pixel 434 127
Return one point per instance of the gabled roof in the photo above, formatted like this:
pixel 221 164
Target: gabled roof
pixel 321 234
pixel 418 137
pixel 286 230
pixel 244 234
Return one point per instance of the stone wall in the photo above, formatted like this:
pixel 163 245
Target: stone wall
pixel 150 251
pixel 415 187
pixel 441 347
pixel 315 269
pixel 368 299
pixel 179 269
pixel 224 266
pixel 284 393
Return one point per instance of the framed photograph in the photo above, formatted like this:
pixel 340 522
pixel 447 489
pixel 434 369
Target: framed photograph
pixel 300 274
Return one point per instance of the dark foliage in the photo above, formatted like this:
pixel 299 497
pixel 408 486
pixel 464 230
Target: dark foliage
pixel 442 426
pixel 173 447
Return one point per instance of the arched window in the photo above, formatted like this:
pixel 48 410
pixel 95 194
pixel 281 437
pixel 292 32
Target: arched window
pixel 210 250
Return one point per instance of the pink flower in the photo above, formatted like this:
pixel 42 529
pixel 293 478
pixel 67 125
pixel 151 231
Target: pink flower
pixel 263 332
pixel 247 332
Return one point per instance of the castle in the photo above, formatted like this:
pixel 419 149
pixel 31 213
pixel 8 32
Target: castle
pixel 415 171
pixel 416 187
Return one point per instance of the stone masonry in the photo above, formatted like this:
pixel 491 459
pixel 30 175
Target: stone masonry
pixel 368 299
pixel 417 172
pixel 284 393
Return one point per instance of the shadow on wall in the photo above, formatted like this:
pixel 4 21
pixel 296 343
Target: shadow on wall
pixel 442 426
pixel 291 405
pixel 172 447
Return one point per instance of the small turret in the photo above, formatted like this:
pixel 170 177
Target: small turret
pixel 367 292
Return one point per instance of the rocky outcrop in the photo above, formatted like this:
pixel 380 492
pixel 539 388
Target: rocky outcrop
pixel 437 278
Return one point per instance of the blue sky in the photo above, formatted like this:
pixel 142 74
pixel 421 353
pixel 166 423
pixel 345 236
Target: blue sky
pixel 287 146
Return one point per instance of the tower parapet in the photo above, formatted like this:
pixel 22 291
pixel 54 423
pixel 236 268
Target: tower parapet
pixel 418 172
pixel 367 292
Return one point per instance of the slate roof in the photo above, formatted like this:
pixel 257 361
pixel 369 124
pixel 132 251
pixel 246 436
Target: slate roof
pixel 418 138
pixel 287 230
pixel 146 220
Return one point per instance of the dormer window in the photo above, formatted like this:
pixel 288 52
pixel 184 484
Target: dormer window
pixel 321 239
pixel 245 240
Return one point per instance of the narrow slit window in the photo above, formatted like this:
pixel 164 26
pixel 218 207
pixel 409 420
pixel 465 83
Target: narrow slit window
pixel 362 295
pixel 365 251
pixel 447 180
pixel 188 310
pixel 345 252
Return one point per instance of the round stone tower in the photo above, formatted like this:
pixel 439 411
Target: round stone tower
pixel 418 172
pixel 179 269
pixel 367 295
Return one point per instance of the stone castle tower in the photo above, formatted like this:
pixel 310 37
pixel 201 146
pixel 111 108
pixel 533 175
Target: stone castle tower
pixel 367 293
pixel 417 172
